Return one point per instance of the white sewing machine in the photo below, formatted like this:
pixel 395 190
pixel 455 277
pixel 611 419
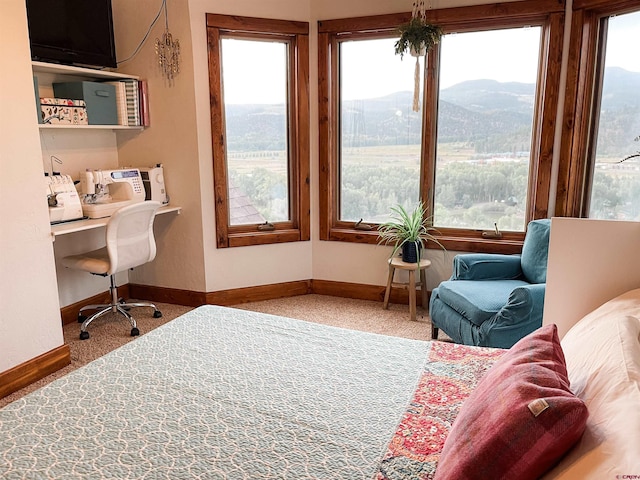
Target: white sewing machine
pixel 63 199
pixel 105 191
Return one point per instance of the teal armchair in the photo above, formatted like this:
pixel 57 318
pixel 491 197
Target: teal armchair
pixel 494 300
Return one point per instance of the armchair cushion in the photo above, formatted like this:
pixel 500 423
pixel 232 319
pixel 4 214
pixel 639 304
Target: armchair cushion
pixel 477 301
pixel 535 251
pixel 486 266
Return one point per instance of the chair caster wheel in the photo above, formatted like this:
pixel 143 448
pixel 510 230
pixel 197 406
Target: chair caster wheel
pixel 84 335
pixel 81 318
pixel 135 332
pixel 157 314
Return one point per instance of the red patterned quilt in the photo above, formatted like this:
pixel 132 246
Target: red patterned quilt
pixel 450 375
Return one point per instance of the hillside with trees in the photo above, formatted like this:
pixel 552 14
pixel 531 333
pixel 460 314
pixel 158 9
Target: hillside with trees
pixel 484 128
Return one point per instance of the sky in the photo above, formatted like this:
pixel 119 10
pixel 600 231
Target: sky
pixel 253 72
pixel 371 68
pixel 623 42
pixel 505 55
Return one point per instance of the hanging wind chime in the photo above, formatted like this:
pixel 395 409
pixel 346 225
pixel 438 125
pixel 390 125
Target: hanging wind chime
pixel 416 38
pixel 168 51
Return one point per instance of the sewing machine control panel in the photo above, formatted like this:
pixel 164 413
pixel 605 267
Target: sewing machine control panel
pixel 131 175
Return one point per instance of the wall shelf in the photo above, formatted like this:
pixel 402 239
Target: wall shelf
pixel 49 73
pixel 57 69
pixel 69 126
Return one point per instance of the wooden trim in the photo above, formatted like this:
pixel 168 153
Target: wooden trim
pixel 69 313
pixel 362 292
pixel 220 180
pixel 176 296
pixel 430 104
pixel 33 370
pixel 326 133
pixel 237 296
pixel 617 6
pixel 295 35
pixel 546 113
pixel 245 239
pixel 258 293
pixel 566 186
pixel 454 17
pixel 572 175
pixel 582 96
pixel 255 24
pixel 372 23
pixel 510 243
pixel 303 136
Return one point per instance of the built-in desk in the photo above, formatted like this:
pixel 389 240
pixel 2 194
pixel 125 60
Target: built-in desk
pixel 91 223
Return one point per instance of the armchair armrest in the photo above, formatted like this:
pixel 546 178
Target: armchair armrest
pixel 486 266
pixel 520 316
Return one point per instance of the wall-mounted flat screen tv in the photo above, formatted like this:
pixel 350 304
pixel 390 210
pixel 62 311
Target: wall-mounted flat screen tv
pixel 72 32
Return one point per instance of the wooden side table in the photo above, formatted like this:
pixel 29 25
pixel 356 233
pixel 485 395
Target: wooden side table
pixel 412 268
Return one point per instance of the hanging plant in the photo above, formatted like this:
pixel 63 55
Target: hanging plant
pixel 417 37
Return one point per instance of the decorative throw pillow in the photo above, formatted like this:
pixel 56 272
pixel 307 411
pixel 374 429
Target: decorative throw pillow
pixel 520 420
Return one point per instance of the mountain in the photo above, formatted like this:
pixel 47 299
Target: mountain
pixel 620 89
pixel 490 96
pixel 490 115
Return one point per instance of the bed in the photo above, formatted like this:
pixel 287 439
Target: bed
pixel 224 393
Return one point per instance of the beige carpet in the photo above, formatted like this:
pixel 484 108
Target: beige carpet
pixel 111 331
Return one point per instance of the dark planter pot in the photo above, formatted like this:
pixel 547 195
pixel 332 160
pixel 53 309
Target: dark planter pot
pixel 410 252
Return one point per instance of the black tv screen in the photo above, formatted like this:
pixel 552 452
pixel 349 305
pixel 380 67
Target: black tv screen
pixel 73 32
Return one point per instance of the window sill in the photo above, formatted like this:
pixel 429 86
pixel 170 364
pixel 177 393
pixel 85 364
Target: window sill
pixel 263 238
pixel 461 243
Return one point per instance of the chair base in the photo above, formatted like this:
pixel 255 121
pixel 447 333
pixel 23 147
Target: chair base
pixel 115 306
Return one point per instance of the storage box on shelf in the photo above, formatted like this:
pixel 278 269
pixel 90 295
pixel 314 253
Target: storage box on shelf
pixel 62 111
pixel 99 97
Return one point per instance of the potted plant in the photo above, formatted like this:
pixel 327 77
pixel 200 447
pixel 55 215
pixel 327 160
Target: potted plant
pixel 409 231
pixel 417 37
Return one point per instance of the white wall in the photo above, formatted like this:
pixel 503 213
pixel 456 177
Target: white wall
pixel 172 140
pixel 30 321
pixel 590 262
pixel 240 266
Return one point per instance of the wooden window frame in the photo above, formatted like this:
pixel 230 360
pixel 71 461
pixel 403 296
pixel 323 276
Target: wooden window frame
pixel 549 14
pixel 296 34
pixel 582 100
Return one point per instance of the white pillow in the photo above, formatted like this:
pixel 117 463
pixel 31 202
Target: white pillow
pixel 602 352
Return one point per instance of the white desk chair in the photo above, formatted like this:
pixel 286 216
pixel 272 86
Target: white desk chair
pixel 129 243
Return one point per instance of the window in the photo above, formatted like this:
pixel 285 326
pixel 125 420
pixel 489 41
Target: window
pixel 485 128
pixel 605 103
pixel 380 134
pixel 478 152
pixel 258 76
pixel 615 189
pixel 615 186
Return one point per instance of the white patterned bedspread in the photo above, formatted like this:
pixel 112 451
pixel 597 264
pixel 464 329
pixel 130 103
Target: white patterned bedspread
pixel 219 393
